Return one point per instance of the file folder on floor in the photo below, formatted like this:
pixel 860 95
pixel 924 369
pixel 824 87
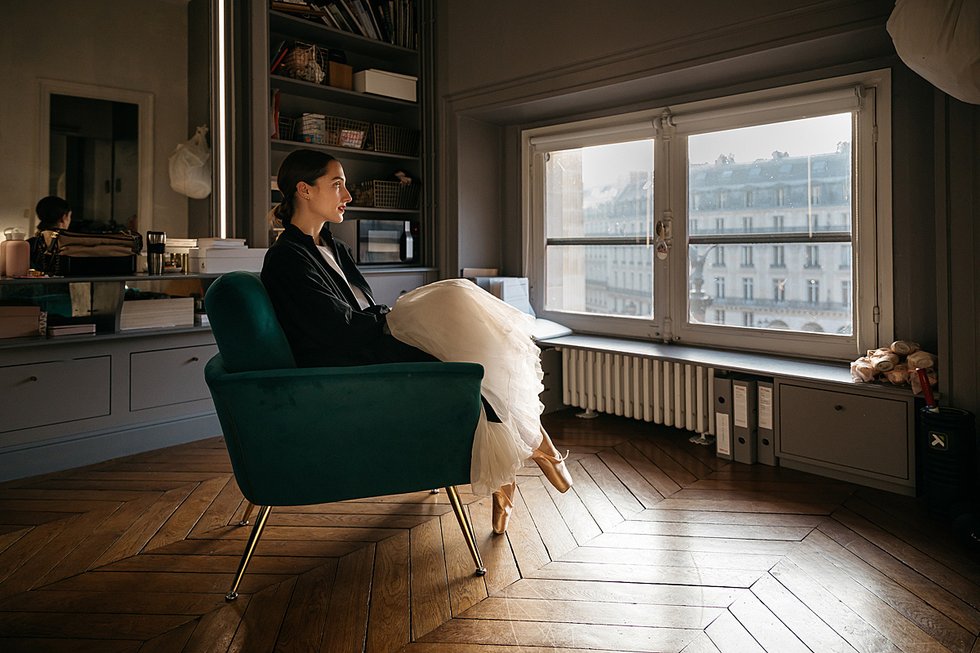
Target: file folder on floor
pixel 744 423
pixel 722 393
pixel 767 443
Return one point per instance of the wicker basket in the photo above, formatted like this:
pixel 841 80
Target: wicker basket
pixel 345 132
pixel 386 194
pixel 305 62
pixel 286 128
pixel 395 140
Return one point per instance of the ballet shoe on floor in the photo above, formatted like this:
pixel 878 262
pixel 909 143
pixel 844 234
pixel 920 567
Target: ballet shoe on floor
pixel 554 469
pixel 503 507
pixel 552 463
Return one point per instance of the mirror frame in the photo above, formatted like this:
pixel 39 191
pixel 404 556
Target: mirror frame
pixel 143 100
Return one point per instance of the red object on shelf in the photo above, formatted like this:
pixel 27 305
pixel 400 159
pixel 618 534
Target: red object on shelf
pixel 927 389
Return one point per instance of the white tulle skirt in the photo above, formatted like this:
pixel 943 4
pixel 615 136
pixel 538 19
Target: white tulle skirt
pixel 456 320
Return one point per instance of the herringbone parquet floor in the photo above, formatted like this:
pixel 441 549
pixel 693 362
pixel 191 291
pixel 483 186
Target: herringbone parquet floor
pixel 659 546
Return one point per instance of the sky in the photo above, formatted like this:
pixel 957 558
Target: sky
pixel 601 165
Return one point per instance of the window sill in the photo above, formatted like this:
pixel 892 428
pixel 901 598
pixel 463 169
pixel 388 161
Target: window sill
pixel 734 361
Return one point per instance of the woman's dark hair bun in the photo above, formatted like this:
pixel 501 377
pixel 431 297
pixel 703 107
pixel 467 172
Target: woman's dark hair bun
pixel 50 210
pixel 299 165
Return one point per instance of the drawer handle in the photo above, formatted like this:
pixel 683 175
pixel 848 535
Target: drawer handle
pixel 32 379
pixel 838 408
pixel 193 359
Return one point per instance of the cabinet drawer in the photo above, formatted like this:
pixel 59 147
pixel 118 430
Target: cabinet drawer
pixel 168 376
pixel 40 394
pixel 861 433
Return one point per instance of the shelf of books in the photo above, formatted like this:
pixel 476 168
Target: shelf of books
pixel 344 79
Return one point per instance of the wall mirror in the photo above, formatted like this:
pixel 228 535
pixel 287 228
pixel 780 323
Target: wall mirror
pixel 99 146
pixel 101 94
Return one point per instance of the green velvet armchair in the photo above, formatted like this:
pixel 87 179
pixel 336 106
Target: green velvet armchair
pixel 302 436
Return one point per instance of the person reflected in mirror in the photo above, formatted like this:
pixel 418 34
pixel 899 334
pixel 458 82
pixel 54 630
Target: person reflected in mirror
pixel 53 214
pixel 327 310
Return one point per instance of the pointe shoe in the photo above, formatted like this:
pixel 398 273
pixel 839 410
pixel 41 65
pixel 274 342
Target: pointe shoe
pixel 503 506
pixel 552 463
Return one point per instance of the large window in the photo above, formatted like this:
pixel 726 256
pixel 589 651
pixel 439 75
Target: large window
pixel 794 182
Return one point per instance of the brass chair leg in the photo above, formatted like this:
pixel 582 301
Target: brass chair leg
pixel 467 528
pixel 248 513
pixel 253 539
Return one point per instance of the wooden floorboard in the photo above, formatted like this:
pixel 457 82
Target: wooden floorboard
pixel 658 546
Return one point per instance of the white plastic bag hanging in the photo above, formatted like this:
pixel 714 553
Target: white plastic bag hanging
pixel 190 166
pixel 940 40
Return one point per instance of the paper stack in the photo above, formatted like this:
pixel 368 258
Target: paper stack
pixel 157 313
pixel 220 255
pixel 180 245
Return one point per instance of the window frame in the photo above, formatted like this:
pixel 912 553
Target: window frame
pixel 869 194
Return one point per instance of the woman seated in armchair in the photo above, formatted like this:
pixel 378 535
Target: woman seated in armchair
pixel 328 313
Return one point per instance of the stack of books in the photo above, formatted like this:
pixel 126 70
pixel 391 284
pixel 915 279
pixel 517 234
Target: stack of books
pixel 392 21
pixel 156 313
pixel 56 330
pixel 312 128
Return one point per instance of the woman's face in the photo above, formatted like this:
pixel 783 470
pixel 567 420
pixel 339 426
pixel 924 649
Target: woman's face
pixel 328 195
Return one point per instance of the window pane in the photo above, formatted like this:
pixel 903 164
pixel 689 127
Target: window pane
pixel 603 190
pixel 791 295
pixel 601 279
pixel 788 177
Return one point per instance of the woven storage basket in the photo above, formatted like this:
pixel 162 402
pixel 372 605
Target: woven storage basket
pixel 305 62
pixel 395 140
pixel 286 128
pixel 387 194
pixel 345 132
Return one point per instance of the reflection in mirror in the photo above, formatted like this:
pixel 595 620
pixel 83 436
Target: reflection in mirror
pixel 94 160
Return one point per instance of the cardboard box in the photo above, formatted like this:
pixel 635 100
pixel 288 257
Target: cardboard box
pixel 218 260
pixel 340 75
pixel 20 321
pixel 382 82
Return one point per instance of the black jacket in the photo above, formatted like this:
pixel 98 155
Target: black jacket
pixel 317 310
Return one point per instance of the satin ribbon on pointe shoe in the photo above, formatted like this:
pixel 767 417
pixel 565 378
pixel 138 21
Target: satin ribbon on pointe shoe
pixel 554 469
pixel 503 506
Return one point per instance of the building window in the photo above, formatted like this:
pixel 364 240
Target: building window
pixel 813 291
pixel 811 256
pixel 590 201
pixel 719 260
pixel 779 290
pixel 719 316
pixel 845 293
pixel 746 256
pixel 748 318
pixel 778 256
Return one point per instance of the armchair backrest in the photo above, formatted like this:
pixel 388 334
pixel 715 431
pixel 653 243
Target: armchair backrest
pixel 245 326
